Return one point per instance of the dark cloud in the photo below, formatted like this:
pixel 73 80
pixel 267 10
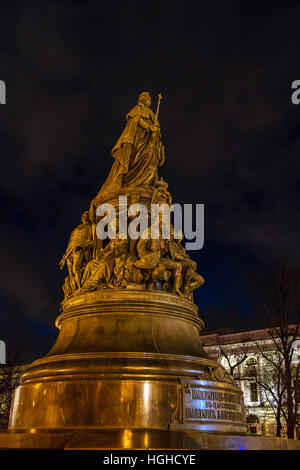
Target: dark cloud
pixel 73 70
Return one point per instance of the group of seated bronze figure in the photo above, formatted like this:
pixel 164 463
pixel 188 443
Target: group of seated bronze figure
pixel 146 263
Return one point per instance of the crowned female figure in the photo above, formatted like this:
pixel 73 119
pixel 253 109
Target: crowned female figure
pixel 138 152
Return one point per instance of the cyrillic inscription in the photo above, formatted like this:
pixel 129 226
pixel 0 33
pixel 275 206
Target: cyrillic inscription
pixel 210 405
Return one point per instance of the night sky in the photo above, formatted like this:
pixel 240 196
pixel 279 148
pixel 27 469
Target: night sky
pixel 232 136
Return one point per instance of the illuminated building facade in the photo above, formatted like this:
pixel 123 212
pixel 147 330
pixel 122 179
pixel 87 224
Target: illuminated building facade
pixel 242 354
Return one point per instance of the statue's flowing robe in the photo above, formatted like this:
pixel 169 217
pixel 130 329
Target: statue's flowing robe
pixel 108 270
pixel 98 272
pixel 137 153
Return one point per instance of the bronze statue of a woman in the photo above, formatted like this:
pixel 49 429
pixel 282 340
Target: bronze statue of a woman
pixel 139 150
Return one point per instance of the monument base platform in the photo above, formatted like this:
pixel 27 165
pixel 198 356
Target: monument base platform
pixel 127 359
pixel 139 439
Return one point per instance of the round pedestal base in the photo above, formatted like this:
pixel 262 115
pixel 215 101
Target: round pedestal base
pixel 128 359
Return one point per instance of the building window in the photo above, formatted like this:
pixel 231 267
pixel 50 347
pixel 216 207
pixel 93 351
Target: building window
pixel 253 392
pixel 251 362
pixel 252 421
pixel 250 367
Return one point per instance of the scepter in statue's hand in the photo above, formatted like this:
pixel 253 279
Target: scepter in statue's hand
pixel 155 128
pixel 62 262
pixel 157 109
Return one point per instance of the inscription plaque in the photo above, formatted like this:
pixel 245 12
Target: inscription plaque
pixel 206 404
